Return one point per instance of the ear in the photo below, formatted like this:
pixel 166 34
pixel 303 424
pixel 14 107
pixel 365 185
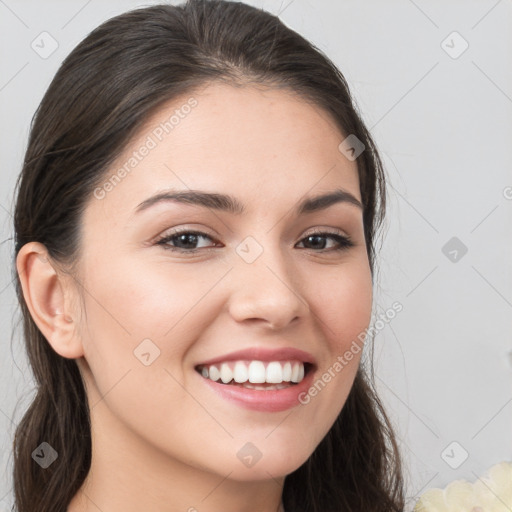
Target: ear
pixel 47 294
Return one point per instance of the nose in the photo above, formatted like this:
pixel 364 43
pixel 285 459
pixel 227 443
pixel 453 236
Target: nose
pixel 266 291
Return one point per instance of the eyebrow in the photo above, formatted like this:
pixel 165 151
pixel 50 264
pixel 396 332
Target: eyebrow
pixel 223 202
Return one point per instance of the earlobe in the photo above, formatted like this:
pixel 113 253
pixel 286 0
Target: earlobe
pixel 47 293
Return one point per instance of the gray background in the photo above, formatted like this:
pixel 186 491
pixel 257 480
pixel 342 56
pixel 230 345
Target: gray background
pixel 444 128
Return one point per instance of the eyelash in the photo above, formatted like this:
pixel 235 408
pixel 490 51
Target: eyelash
pixel 344 242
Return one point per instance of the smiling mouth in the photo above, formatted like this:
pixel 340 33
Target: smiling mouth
pixel 254 374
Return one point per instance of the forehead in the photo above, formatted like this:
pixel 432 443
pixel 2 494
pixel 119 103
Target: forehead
pixel 262 145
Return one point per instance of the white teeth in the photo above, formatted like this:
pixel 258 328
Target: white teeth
pixel 280 373
pixel 240 373
pixel 287 372
pixel 301 372
pixel 226 375
pixel 274 373
pixel 256 372
pixel 214 373
pixel 295 372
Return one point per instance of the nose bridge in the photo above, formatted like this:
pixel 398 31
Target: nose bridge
pixel 265 286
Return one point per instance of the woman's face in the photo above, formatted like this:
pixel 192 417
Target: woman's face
pixel 253 291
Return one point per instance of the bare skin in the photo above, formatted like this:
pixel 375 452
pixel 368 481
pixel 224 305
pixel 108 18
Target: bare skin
pixel 162 439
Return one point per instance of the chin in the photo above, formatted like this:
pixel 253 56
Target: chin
pixel 277 464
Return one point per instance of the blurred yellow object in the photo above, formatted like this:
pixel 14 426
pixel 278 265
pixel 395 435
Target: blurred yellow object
pixel 492 493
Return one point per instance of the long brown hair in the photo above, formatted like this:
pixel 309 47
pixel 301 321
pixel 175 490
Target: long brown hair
pixel 102 94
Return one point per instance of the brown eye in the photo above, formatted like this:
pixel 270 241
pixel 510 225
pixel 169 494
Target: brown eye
pixel 317 241
pixel 183 241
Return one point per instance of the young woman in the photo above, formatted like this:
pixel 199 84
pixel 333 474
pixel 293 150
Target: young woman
pixel 195 227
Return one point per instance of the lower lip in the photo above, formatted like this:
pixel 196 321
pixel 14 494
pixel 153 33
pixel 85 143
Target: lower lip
pixel 274 400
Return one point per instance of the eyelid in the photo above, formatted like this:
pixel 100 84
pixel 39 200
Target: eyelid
pixel 326 230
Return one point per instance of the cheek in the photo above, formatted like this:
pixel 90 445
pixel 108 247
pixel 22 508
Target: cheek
pixel 130 302
pixel 343 303
pixel 136 332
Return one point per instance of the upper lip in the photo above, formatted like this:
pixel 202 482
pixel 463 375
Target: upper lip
pixel 263 354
